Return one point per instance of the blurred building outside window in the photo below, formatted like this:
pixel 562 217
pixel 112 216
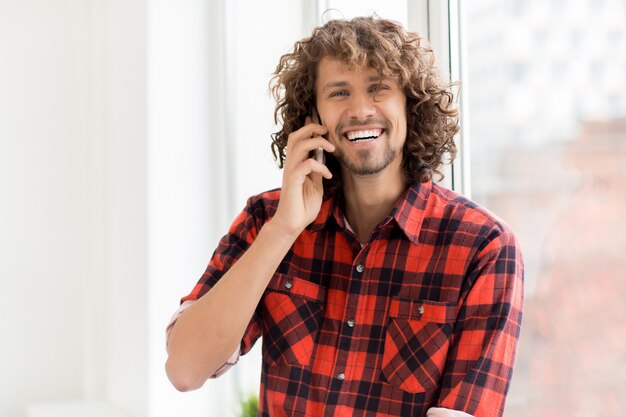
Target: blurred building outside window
pixel 546 83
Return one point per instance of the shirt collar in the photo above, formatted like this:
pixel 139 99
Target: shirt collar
pixel 408 212
pixel 330 209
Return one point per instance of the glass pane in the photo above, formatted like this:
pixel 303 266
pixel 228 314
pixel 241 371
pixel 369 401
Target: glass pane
pixel 546 82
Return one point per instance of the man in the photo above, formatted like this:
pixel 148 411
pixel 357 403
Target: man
pixel 376 292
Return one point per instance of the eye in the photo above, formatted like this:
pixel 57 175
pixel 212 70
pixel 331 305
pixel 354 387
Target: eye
pixel 339 93
pixel 378 88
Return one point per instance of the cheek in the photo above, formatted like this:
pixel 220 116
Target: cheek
pixel 331 125
pixel 400 111
pixel 332 136
pixel 401 119
pixel 402 123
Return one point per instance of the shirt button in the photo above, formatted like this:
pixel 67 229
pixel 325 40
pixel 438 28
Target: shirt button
pixel 341 376
pixel 360 268
pixel 350 323
pixel 288 284
pixel 420 309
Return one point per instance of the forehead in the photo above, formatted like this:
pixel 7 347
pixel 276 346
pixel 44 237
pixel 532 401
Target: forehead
pixel 331 69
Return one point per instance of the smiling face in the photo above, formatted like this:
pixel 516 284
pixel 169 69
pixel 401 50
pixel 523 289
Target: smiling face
pixel 365 116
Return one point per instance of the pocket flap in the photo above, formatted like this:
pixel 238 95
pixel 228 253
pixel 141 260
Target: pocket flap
pixel 423 310
pixel 297 287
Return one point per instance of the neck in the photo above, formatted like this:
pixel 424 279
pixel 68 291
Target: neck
pixel 369 199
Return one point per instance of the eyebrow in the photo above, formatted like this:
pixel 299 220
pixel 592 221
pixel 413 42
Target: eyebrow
pixel 335 84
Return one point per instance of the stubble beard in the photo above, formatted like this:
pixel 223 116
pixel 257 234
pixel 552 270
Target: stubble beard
pixel 366 163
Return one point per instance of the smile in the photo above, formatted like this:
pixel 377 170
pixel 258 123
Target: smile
pixel 363 135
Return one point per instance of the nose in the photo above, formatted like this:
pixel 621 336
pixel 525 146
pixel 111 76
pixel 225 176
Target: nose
pixel 361 107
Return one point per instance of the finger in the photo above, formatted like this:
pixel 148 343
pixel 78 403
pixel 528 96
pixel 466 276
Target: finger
pixel 311 166
pixel 302 150
pixel 311 121
pixel 306 132
pixel 313 143
pixel 317 129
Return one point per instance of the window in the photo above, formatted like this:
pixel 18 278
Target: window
pixel 548 145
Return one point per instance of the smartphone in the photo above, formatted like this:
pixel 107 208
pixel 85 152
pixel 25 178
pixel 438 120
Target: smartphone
pixel 319 152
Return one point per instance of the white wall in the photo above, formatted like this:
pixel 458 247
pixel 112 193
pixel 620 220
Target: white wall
pixel 184 169
pixel 73 185
pixel 42 246
pixel 126 206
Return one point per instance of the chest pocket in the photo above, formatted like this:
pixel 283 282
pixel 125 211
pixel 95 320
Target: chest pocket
pixel 416 343
pixel 292 316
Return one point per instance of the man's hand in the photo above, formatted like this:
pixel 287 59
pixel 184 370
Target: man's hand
pixel 445 412
pixel 302 191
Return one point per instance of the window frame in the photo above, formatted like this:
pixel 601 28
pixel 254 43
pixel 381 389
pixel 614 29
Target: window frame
pixel 442 23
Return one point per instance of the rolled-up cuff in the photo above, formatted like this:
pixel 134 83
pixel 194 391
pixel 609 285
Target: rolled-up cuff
pixel 222 369
pixel 229 364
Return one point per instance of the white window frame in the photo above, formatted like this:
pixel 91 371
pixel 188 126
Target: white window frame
pixel 441 22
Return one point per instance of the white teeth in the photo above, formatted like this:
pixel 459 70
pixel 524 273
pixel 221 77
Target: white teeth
pixel 363 134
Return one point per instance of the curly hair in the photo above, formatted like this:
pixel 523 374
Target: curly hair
pixel 432 116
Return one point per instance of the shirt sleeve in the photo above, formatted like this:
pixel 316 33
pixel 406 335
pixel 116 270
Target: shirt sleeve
pixel 482 353
pixel 240 236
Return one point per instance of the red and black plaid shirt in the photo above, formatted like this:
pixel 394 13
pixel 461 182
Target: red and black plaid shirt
pixel 427 313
